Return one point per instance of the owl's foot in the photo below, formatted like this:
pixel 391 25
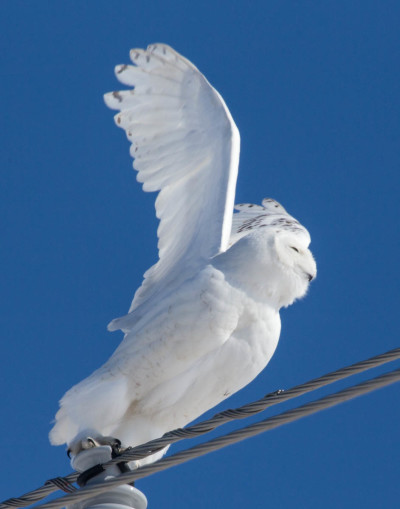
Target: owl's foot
pixel 89 442
pixel 86 444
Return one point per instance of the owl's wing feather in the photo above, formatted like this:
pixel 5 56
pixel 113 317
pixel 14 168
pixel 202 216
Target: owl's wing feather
pixel 185 145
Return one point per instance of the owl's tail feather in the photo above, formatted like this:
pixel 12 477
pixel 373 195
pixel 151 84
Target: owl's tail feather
pixel 94 404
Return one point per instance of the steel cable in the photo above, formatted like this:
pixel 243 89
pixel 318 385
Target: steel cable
pixel 225 440
pixel 203 427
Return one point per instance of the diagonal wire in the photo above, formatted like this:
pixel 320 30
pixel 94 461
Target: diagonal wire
pixel 252 408
pixel 212 423
pixel 230 438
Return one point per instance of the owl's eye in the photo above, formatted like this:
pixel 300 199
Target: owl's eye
pixel 294 248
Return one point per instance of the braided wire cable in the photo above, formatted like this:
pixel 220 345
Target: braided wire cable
pixel 203 427
pixel 255 407
pixel 228 439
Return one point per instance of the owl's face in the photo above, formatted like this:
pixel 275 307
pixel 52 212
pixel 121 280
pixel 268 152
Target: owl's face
pixel 295 262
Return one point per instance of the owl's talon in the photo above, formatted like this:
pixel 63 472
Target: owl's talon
pixel 89 442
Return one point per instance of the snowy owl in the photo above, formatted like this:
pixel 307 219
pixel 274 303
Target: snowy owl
pixel 205 320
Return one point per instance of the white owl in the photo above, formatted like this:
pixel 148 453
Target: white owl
pixel 205 321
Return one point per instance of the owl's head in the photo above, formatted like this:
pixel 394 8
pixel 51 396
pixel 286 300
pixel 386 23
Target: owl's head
pixel 295 264
pixel 282 264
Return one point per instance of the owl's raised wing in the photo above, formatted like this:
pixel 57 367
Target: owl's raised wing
pixel 185 145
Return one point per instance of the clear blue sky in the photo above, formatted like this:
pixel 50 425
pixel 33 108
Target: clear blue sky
pixel 314 89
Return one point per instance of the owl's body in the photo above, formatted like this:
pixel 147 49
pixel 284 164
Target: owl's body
pixel 206 320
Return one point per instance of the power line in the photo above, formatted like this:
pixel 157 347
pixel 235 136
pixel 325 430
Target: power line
pixel 253 408
pixel 231 438
pixel 65 483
